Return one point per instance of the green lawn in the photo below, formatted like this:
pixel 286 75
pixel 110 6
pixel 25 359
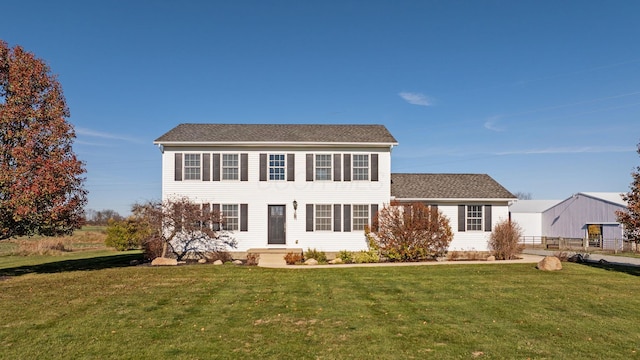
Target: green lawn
pixel 229 312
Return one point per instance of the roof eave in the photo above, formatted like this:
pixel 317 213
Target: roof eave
pixel 275 143
pixel 452 199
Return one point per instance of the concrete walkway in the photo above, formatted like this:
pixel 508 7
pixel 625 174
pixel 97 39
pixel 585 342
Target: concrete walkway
pixel 618 260
pixel 526 259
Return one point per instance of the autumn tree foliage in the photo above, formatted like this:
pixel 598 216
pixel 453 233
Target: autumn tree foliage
pixel 181 228
pixel 630 218
pixel 41 183
pixel 412 232
pixel 504 242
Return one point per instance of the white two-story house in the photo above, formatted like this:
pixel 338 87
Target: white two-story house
pixel 283 186
pixel 315 186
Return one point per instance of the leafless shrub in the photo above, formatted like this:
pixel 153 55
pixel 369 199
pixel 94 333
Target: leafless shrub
pixel 504 241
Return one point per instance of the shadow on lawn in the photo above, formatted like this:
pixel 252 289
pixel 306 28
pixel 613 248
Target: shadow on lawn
pixel 628 269
pixel 93 263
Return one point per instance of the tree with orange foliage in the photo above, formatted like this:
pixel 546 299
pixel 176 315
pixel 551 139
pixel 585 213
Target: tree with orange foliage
pixel 412 232
pixel 630 218
pixel 41 183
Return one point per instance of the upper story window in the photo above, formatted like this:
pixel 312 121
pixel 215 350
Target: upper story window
pixel 230 167
pixel 323 217
pixel 323 167
pixel 360 216
pixel 360 167
pixel 474 217
pixel 192 166
pixel 276 167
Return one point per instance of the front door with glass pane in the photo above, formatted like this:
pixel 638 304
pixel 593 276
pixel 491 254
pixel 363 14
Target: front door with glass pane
pixel 277 224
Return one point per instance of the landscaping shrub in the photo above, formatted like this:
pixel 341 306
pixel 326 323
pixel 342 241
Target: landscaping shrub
pixel 346 256
pixel 320 256
pixel 364 256
pixel 292 258
pixel 125 234
pixel 504 242
pixel 412 232
pixel 152 247
pixel 252 259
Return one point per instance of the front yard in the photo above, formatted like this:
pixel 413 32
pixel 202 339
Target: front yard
pixel 229 312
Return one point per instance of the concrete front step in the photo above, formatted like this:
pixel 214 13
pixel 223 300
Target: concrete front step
pixel 272 256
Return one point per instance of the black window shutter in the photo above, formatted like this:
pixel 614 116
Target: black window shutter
pixel 216 167
pixel 291 167
pixel 374 167
pixel 347 218
pixel 374 212
pixel 263 167
pixel 337 167
pixel 244 167
pixel 487 218
pixel 309 217
pixel 215 208
pixel 462 221
pixel 206 167
pixel 243 217
pixel 309 166
pixel 336 217
pixel 347 167
pixel 178 167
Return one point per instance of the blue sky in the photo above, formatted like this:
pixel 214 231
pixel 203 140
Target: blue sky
pixel 544 96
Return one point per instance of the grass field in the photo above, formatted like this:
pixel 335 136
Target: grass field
pixel 95 307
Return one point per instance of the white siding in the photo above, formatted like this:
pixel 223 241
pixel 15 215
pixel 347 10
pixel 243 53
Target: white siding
pixel 472 240
pixel 259 194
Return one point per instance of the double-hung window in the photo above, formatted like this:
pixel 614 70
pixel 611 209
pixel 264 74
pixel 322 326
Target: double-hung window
pixel 323 217
pixel 192 166
pixel 360 167
pixel 276 167
pixel 323 166
pixel 230 166
pixel 230 216
pixel 474 217
pixel 360 216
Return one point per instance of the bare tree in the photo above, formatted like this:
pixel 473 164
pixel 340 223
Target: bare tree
pixel 183 228
pixel 523 195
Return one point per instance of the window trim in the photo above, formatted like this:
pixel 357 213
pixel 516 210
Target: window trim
pixel 270 175
pixel 186 174
pixel 355 174
pixel 328 159
pixel 480 219
pixel 329 219
pixel 356 224
pixel 223 167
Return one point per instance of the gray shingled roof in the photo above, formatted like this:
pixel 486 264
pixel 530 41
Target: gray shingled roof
pixel 447 186
pixel 212 133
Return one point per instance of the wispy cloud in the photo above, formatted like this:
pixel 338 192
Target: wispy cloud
pixel 416 98
pixel 569 150
pixel 493 124
pixel 104 135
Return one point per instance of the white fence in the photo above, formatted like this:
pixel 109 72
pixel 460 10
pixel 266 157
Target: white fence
pixel 560 243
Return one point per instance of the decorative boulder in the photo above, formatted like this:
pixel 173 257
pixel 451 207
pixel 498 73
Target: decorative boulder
pixel 202 261
pixel 161 261
pixel 336 261
pixel 218 262
pixel 311 262
pixel 550 263
pixel 237 262
pixel 491 258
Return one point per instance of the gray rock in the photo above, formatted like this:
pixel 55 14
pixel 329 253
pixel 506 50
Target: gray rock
pixel 237 262
pixel 218 262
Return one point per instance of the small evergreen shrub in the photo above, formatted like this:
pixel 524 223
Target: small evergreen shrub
pixel 125 234
pixel 364 257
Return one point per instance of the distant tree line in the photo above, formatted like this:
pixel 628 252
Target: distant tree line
pixel 101 217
